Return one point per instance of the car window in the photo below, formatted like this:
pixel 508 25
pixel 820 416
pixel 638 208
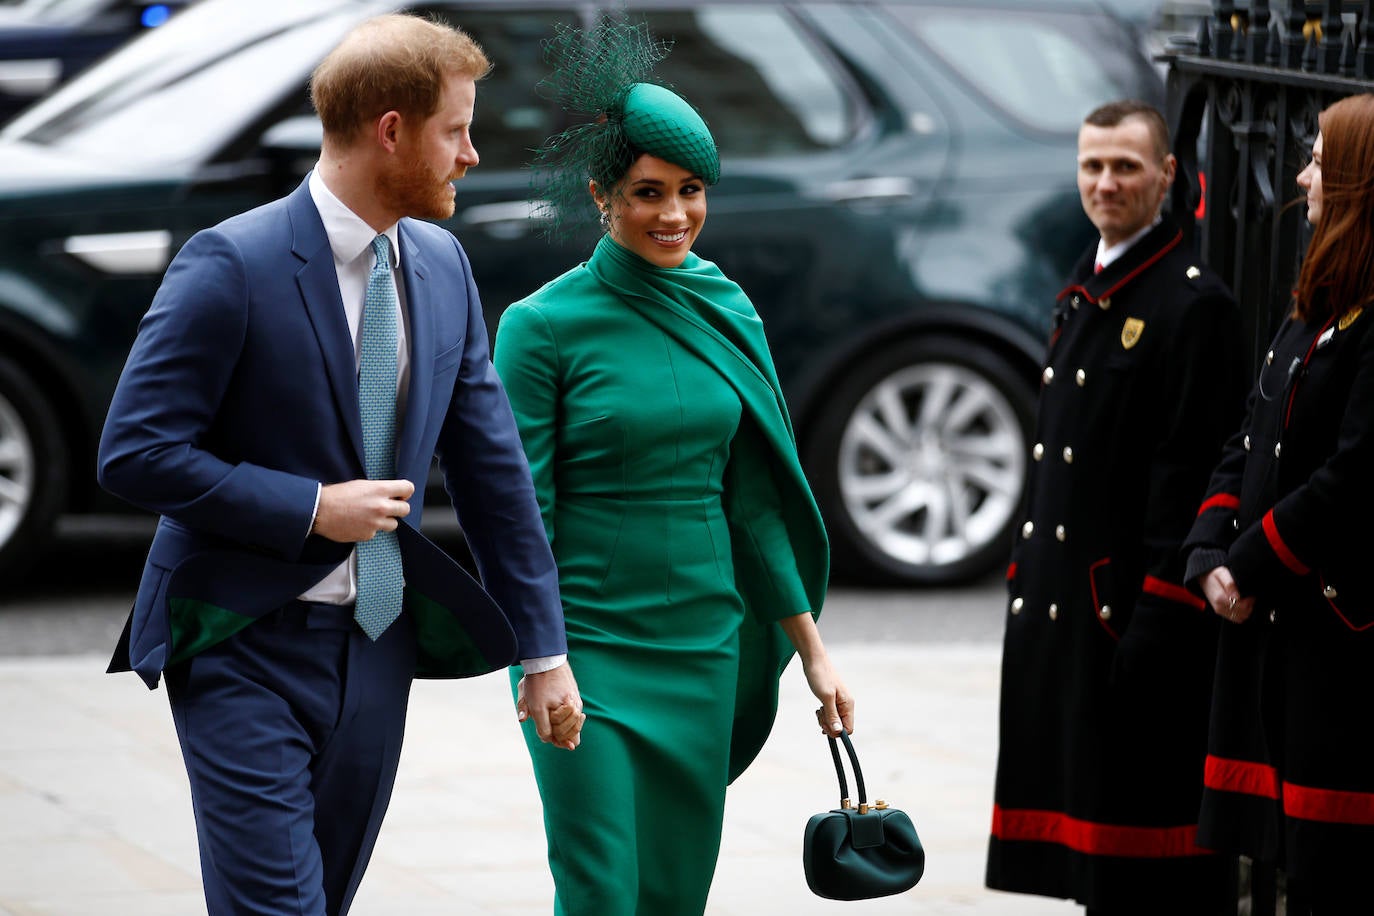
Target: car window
pixel 180 92
pixel 511 118
pixel 763 87
pixel 1045 69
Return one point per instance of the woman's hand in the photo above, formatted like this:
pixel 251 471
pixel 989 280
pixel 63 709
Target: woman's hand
pixel 836 713
pixel 837 706
pixel 1224 596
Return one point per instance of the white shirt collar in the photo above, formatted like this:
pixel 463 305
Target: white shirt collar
pixel 1106 255
pixel 349 236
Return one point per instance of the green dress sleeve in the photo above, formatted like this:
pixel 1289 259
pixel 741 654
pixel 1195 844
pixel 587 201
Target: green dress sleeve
pixel 526 358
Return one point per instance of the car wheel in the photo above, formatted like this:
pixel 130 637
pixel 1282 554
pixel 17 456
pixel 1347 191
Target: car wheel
pixel 918 460
pixel 33 472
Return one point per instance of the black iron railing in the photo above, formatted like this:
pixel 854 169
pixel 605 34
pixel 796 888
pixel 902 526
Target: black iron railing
pixel 1242 104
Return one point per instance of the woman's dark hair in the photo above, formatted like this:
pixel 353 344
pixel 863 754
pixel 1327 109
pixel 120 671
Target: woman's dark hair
pixel 1338 273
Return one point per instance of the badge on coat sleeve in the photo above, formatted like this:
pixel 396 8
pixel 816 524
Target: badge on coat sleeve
pixel 1131 331
pixel 1349 318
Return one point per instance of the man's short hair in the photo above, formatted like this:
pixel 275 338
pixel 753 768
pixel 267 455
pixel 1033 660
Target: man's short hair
pixel 1113 113
pixel 393 62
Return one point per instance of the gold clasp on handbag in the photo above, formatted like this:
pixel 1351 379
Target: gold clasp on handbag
pixel 880 804
pixel 846 803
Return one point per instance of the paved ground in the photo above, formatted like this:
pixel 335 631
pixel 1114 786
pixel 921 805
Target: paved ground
pixel 95 815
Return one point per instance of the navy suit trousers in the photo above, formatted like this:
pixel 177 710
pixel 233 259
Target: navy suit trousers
pixel 291 732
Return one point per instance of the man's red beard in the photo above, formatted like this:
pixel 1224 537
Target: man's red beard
pixel 415 189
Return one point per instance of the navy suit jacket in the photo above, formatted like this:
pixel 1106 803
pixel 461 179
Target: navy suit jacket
pixel 241 395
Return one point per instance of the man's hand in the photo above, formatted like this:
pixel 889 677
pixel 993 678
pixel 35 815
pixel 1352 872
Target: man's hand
pixel 551 699
pixel 356 510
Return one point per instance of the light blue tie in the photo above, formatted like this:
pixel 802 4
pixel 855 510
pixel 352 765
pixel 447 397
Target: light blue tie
pixel 380 577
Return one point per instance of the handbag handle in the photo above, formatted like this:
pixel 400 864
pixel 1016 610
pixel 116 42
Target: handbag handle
pixel 839 772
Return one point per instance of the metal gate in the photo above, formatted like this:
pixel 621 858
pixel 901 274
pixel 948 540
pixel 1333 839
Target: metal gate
pixel 1243 99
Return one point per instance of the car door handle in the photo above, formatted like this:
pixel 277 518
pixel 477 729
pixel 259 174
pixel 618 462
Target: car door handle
pixel 855 190
pixel 507 219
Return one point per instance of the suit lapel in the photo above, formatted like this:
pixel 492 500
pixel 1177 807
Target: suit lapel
pixel 319 286
pixel 420 309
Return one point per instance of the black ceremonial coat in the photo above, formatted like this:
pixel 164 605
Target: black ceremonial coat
pixel 1290 765
pixel 1107 660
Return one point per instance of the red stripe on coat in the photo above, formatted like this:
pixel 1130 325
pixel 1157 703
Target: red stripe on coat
pixel 1022 825
pixel 1011 572
pixel 1172 592
pixel 1332 806
pixel 1220 501
pixel 1286 556
pixel 1243 776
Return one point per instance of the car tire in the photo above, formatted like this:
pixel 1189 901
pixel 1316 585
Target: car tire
pixel 918 460
pixel 33 471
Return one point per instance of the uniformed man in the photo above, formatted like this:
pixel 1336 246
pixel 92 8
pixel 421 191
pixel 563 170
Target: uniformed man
pixel 1107 661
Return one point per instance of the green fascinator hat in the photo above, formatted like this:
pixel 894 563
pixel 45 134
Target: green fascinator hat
pixel 604 79
pixel 659 122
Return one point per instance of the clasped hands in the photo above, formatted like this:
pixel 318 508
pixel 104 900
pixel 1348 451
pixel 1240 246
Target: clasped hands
pixel 356 510
pixel 1224 596
pixel 552 700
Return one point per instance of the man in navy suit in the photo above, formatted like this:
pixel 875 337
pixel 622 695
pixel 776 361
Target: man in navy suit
pixel 238 419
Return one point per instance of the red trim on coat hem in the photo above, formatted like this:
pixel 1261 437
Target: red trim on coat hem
pixel 1097 602
pixel 1172 592
pixel 1243 776
pixel 1331 806
pixel 1220 501
pixel 1092 838
pixel 1011 572
pixel 1341 614
pixel 1286 556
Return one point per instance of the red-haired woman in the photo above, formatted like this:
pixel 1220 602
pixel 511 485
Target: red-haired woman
pixel 1283 548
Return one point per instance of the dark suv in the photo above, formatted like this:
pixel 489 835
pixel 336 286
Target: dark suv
pixel 897 198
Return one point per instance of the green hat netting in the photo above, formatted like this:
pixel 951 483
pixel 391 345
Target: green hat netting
pixel 604 75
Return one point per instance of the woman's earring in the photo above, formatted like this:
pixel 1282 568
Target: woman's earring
pixel 605 219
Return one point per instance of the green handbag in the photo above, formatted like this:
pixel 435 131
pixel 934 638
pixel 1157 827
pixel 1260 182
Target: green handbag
pixel 856 853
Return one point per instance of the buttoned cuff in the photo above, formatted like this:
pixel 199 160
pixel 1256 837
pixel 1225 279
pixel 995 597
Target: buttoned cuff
pixel 315 512
pixel 543 663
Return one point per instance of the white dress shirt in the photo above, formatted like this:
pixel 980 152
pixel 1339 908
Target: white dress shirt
pixel 1107 255
pixel 350 239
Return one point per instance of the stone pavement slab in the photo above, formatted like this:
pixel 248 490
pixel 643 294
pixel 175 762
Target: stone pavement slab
pixel 95 813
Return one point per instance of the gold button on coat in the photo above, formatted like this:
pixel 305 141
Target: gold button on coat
pixel 1048 375
pixel 1278 449
pixel 1059 532
pixel 1016 605
pixel 1027 529
pixel 1054 612
pixel 1247 442
pixel 1329 591
pixel 1106 612
pixel 1269 358
pixel 1081 378
pixel 1039 451
pixel 1068 455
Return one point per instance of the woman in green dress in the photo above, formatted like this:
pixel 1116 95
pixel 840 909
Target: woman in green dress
pixel 692 560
